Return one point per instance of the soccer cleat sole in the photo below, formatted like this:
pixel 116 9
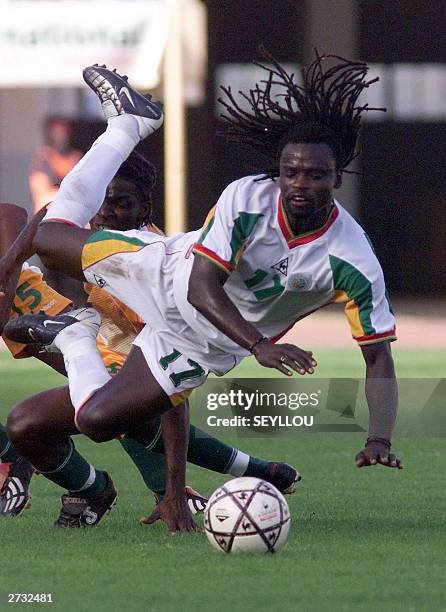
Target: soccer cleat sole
pixel 119 98
pixel 15 498
pixel 196 502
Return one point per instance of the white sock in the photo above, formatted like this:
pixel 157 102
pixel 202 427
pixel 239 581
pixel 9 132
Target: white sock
pixel 82 191
pixel 239 464
pixel 84 366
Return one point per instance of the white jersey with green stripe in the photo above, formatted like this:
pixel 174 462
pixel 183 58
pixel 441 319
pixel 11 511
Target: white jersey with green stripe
pixel 277 278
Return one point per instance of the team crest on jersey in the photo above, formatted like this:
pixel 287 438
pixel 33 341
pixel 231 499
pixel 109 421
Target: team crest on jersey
pixel 281 266
pixel 99 281
pixel 299 282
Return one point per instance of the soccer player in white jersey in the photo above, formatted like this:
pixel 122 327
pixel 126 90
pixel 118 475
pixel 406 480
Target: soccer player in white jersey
pixel 277 247
pixel 42 433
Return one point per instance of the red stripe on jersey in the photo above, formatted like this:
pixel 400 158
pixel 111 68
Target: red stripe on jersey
pixel 294 241
pixel 202 250
pixel 382 336
pixel 56 220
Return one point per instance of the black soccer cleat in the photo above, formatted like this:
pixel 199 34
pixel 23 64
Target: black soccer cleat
pixel 119 98
pixel 14 488
pixel 79 511
pixel 41 329
pixel 196 502
pixel 282 476
pixel 36 328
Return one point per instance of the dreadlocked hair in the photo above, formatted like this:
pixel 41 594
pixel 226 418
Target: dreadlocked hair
pixel 142 174
pixel 324 109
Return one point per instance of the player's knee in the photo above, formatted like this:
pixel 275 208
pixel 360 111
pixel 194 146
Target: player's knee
pixel 91 423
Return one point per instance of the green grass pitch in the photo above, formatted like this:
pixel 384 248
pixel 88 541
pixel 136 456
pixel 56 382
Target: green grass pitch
pixel 366 539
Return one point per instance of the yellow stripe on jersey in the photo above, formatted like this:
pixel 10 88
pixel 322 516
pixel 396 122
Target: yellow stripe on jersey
pixel 357 330
pixel 352 313
pixel 104 244
pixel 33 295
pixel 209 217
pixel 178 398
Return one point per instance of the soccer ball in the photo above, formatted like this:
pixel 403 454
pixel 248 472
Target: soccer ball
pixel 247 515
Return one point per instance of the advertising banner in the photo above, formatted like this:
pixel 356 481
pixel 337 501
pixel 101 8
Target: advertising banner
pixel 46 44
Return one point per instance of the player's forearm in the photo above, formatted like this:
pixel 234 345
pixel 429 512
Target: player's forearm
pixel 207 295
pixel 23 247
pixel 221 312
pixel 19 251
pixel 175 428
pixel 382 394
pixel 12 221
pixel 8 298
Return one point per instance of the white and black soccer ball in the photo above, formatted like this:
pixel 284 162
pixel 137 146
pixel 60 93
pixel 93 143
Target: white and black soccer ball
pixel 247 515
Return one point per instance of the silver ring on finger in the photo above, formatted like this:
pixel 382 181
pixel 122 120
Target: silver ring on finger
pixel 283 359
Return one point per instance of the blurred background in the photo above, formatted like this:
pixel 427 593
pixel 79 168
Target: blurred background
pixel 399 193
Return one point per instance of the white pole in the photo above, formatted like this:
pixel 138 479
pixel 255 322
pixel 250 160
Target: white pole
pixel 174 124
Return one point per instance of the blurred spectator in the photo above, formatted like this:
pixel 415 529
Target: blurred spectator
pixel 49 166
pixel 52 161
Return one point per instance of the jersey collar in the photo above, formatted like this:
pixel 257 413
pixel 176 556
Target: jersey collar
pixel 294 241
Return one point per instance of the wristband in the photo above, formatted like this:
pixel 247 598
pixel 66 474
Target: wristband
pixel 252 347
pixel 380 440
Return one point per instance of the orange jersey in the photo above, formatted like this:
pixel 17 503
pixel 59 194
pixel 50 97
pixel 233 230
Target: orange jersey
pixel 119 324
pixel 119 327
pixel 33 295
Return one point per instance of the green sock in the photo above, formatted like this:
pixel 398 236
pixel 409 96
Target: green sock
pixel 150 465
pixel 76 475
pixel 7 453
pixel 204 451
pixel 211 453
pixel 256 468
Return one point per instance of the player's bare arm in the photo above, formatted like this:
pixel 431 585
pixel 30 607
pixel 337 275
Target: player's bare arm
pixel 382 398
pixel 19 246
pixel 207 295
pixel 12 220
pixel 174 510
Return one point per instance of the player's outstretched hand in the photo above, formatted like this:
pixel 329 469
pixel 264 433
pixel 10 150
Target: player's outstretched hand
pixel 377 451
pixel 175 513
pixel 284 357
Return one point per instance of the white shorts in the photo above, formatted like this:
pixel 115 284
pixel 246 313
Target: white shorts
pixel 176 373
pixel 138 268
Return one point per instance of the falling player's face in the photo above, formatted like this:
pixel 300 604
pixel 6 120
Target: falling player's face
pixel 308 176
pixel 122 208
